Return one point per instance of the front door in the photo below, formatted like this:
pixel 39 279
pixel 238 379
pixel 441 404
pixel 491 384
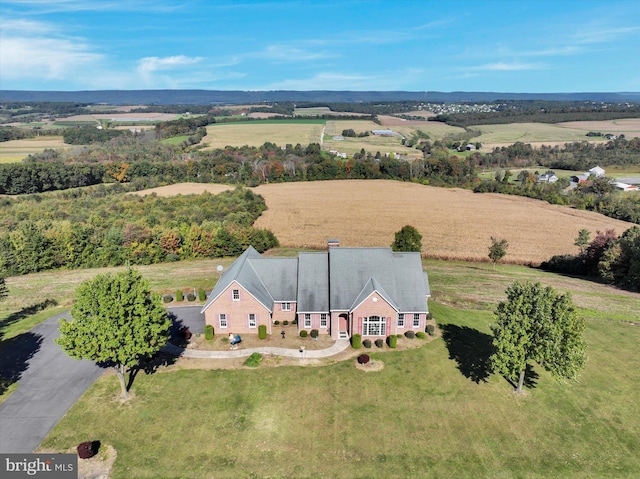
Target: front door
pixel 344 324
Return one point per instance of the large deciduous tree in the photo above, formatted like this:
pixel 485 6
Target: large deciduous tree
pixel 497 250
pixel 115 319
pixel 407 239
pixel 536 323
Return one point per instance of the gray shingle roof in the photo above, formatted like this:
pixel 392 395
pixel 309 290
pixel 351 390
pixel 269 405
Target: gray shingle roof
pixel 279 276
pixel 355 274
pixel 313 282
pixel 399 274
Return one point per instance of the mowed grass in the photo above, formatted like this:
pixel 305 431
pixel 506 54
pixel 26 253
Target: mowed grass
pixel 16 150
pixel 434 411
pixel 28 291
pixel 256 133
pixel 454 223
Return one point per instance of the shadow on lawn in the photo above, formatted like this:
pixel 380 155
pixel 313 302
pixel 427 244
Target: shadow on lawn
pixel 470 348
pixel 160 359
pixel 24 313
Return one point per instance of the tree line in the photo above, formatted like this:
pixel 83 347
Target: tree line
pixel 102 226
pixel 609 257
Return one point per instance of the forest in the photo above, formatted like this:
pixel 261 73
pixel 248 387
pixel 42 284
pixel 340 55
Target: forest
pixel 104 226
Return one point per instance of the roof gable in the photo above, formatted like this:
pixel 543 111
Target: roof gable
pixel 371 287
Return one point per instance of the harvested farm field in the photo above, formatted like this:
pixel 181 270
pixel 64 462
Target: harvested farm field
pixel 185 189
pixel 454 223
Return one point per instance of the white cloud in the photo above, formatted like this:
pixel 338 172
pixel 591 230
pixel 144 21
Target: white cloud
pixel 147 68
pixel 45 57
pixel 502 66
pixel 603 35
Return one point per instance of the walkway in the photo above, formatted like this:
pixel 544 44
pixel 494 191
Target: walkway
pixel 339 346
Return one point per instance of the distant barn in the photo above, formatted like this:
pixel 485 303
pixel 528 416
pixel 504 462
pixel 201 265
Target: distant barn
pixel 383 132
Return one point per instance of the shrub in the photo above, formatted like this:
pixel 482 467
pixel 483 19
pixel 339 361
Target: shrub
pixel 179 296
pixel 191 297
pixel 167 298
pixel 314 333
pixel 421 335
pixel 429 316
pixel 208 332
pixel 379 342
pixel 363 359
pixel 88 449
pixel 202 296
pixel 398 335
pixel 392 341
pixel 303 333
pixel 410 334
pixel 366 343
pixel 276 322
pixel 285 322
pixel 254 360
pixel 295 321
pixel 262 331
pixel 356 341
pixel 431 329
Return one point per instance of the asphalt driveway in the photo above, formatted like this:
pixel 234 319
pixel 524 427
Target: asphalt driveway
pixel 50 382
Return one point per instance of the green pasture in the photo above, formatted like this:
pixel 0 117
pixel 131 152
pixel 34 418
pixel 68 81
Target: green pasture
pixel 175 140
pixel 14 151
pixel 434 411
pixel 256 133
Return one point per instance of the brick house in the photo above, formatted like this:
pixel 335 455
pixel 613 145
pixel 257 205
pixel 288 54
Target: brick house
pixel 374 292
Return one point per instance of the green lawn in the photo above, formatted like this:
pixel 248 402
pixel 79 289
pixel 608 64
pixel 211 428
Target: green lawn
pixel 434 411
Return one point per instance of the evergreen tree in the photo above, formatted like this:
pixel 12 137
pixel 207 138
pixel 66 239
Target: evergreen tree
pixel 407 239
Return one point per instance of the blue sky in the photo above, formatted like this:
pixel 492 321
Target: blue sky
pixel 503 46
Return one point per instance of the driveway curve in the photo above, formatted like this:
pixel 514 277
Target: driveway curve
pixel 49 383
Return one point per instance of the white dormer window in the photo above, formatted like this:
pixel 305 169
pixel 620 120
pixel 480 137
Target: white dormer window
pixel 286 306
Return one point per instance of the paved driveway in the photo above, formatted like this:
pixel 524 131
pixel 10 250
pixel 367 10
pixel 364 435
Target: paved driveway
pixel 50 382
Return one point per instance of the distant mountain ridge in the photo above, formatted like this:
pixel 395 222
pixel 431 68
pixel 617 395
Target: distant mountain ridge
pixel 203 97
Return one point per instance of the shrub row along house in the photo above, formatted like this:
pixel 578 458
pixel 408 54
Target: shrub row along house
pixel 374 292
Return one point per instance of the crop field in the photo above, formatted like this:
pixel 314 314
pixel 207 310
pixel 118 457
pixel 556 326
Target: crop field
pixel 17 150
pixel 324 110
pixel 257 133
pixel 185 189
pixel 371 143
pixel 454 223
pixel 534 133
pixel 630 127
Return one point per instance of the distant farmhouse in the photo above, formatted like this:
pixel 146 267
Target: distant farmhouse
pixel 547 178
pixel 596 171
pixel 374 292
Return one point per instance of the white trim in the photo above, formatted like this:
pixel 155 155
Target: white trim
pixel 305 320
pixel 233 294
pixel 413 324
pixel 326 320
pixel 398 320
pixel 226 321
pixel 383 325
pixel 255 320
pixel 375 291
pixel 282 306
